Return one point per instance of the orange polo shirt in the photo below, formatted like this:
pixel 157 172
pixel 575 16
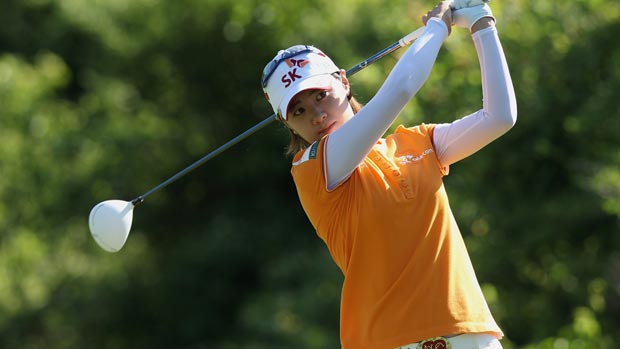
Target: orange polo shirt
pixel 389 227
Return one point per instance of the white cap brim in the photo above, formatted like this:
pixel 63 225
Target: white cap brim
pixel 316 82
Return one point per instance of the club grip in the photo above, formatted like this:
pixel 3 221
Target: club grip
pixel 411 37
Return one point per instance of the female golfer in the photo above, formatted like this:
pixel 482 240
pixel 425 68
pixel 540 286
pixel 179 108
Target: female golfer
pixel 379 204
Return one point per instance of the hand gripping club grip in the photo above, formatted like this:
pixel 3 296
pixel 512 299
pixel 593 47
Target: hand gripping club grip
pixel 456 5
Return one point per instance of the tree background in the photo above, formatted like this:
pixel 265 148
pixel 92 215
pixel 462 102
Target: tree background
pixel 105 99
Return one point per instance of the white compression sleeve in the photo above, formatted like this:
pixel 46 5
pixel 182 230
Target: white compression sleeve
pixel 461 138
pixel 347 147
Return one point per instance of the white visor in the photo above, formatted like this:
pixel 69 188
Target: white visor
pixel 306 71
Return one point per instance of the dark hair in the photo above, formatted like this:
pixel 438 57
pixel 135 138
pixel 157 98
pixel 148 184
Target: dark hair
pixel 297 143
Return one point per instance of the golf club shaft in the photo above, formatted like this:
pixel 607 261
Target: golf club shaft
pixel 406 40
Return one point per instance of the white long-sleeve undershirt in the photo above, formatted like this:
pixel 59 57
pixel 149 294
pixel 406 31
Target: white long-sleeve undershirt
pixel 461 138
pixel 350 144
pixel 347 147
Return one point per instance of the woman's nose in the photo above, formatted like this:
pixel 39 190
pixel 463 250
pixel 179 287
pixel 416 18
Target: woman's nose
pixel 318 115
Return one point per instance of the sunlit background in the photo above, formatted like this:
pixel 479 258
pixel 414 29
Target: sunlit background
pixel 104 99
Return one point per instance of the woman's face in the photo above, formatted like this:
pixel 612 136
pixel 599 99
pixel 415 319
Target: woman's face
pixel 313 114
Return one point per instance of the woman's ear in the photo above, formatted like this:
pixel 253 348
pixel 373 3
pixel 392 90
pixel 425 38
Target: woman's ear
pixel 345 82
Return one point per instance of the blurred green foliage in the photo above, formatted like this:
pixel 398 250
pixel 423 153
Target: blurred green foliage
pixel 105 99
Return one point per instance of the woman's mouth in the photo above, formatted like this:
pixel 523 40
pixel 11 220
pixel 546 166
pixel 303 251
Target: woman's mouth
pixel 327 130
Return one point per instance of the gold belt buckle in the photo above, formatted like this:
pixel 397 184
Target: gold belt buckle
pixel 434 343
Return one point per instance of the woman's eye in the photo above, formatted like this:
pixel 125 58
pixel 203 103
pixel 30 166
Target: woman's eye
pixel 298 111
pixel 321 95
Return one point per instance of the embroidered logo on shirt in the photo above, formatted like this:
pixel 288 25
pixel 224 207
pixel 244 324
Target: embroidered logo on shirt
pixel 407 159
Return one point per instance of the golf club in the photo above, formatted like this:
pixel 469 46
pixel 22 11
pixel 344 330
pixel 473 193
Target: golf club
pixel 110 221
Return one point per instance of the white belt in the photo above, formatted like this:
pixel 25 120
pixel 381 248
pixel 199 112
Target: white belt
pixel 467 340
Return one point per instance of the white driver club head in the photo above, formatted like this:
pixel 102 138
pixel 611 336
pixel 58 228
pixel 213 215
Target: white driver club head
pixel 110 222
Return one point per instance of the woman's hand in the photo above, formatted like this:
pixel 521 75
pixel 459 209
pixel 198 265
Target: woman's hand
pixel 482 23
pixel 441 11
pixel 474 18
